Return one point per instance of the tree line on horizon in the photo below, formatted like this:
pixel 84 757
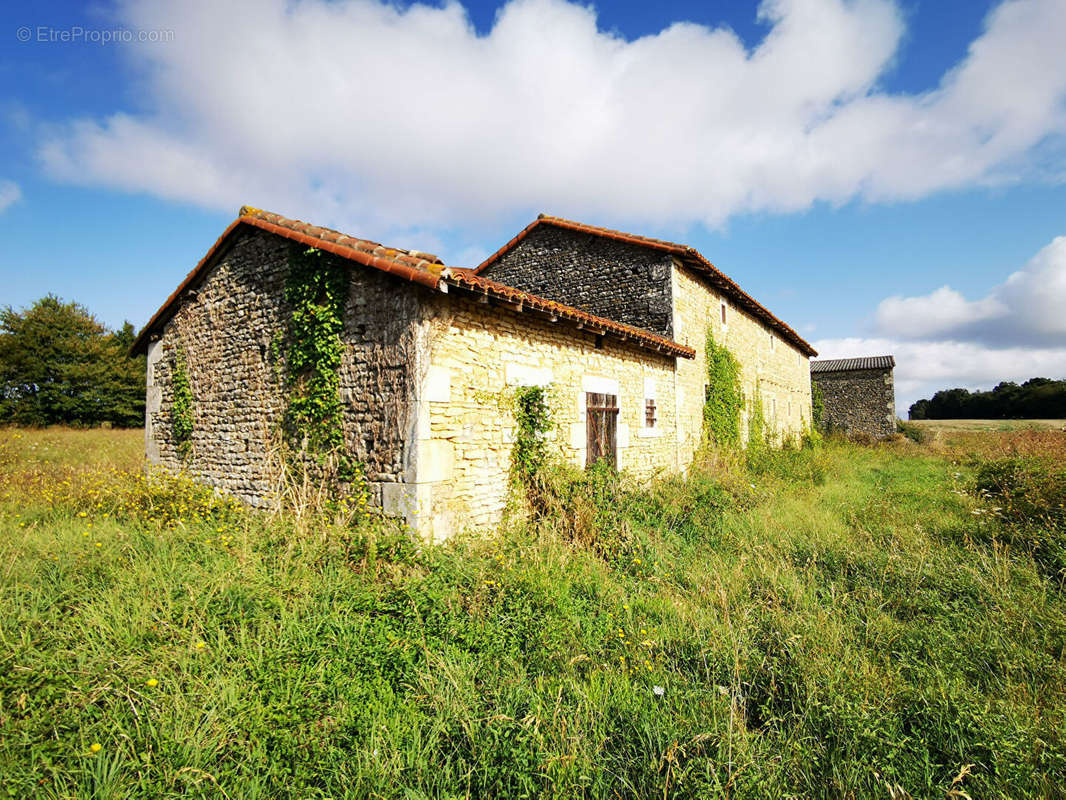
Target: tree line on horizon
pixel 59 365
pixel 1037 398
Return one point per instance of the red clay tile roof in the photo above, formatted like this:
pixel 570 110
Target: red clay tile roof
pixel 688 255
pixel 422 268
pixel 466 279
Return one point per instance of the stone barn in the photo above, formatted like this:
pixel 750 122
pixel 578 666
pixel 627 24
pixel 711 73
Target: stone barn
pixel 858 394
pixel 614 324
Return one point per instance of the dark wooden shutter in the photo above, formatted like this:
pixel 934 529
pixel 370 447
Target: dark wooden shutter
pixel 601 412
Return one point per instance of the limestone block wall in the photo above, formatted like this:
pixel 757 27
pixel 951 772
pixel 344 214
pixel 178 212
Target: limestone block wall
pixel 612 279
pixel 476 355
pixel 859 401
pixel 231 330
pixel 775 368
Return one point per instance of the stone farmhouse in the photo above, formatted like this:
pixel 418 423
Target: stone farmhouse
pixel 858 394
pixel 614 323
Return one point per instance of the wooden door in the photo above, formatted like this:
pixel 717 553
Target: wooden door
pixel 601 417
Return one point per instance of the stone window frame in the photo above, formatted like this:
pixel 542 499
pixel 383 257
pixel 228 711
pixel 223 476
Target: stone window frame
pixel 651 411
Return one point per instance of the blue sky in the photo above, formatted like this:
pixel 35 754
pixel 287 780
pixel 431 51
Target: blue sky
pixel 843 160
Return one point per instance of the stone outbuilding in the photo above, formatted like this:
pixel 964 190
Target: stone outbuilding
pixel 615 325
pixel 858 394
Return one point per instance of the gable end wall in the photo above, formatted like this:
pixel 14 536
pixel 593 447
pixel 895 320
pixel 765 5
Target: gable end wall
pixel 859 401
pixel 611 279
pixel 231 330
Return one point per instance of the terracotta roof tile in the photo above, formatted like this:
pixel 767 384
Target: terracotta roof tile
pixel 467 279
pixel 688 255
pixel 418 267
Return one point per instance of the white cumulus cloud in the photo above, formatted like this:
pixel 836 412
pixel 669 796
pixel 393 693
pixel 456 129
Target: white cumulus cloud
pixel 358 113
pixel 1026 309
pixel 942 340
pixel 10 193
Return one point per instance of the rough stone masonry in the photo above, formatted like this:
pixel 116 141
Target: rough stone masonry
pixel 858 394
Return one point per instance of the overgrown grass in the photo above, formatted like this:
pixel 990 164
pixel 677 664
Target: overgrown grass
pixel 842 622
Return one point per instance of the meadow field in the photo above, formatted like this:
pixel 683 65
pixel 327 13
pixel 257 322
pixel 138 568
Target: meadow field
pixel 884 621
pixel 956 425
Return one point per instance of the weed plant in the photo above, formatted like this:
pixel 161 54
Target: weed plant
pixel 845 621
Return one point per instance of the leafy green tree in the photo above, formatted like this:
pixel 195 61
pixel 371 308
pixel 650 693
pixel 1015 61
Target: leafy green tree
pixel 919 410
pixel 59 365
pixel 1034 399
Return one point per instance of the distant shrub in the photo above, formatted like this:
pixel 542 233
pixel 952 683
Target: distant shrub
pixel 916 433
pixel 60 365
pixel 1037 398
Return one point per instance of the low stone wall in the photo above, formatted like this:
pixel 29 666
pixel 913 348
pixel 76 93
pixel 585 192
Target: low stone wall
pixel 859 401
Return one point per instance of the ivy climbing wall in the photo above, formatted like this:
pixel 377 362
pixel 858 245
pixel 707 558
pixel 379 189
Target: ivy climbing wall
pixel 230 342
pixel 771 369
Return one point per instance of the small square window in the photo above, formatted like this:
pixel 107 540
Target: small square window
pixel 650 413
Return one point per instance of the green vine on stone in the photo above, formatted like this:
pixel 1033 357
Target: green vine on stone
pixel 760 439
pixel 316 290
pixel 181 422
pixel 724 401
pixel 817 407
pixel 533 419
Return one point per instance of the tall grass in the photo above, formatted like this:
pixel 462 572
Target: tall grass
pixel 842 622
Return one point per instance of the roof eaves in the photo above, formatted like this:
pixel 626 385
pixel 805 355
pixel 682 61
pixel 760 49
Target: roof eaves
pixel 854 364
pixel 469 280
pixel 395 262
pixel 691 255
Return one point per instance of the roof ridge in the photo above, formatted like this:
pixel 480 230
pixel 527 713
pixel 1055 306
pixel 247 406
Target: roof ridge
pixel 696 260
pixel 411 265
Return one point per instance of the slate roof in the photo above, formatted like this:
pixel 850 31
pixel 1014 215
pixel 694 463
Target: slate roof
pixel 687 255
pixel 849 364
pixel 425 269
